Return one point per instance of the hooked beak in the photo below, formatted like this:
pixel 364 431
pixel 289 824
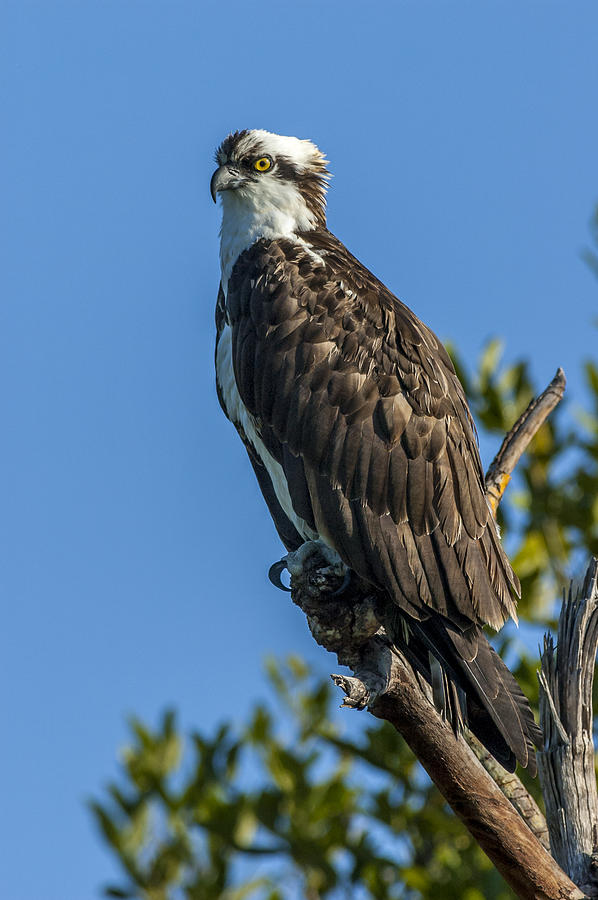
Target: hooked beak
pixel 226 178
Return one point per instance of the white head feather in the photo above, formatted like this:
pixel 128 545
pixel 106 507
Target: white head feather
pixel 270 205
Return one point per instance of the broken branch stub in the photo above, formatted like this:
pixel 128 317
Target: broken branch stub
pixel 566 764
pixel 517 440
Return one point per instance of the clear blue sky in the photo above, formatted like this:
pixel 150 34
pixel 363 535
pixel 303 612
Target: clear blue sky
pixel 463 137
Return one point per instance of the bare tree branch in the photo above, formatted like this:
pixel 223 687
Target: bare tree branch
pixel 384 682
pixel 514 789
pixel 518 438
pixel 566 765
pixel 498 476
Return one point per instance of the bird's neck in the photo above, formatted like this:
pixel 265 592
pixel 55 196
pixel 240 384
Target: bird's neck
pixel 245 223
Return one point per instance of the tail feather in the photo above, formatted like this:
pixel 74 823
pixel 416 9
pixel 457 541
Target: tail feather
pixel 532 731
pixel 458 663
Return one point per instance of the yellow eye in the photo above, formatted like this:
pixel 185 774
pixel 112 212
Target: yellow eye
pixel 262 164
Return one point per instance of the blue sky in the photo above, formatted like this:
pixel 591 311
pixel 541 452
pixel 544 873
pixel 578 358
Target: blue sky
pixel 463 138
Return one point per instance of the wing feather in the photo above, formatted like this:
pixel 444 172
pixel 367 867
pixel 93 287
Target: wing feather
pixel 343 378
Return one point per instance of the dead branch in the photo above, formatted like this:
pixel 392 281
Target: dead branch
pixel 498 476
pixel 566 765
pixel 385 684
pixel 514 790
pixel 518 438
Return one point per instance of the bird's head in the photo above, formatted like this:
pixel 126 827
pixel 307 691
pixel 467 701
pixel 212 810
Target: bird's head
pixel 272 177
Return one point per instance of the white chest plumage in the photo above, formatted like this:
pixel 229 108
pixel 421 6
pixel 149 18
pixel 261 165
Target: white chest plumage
pixel 277 211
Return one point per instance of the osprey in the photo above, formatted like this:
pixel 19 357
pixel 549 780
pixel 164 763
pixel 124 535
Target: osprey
pixel 359 432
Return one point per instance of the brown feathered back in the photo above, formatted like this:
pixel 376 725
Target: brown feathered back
pixel 358 404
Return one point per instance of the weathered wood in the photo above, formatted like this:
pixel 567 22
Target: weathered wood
pixel 514 790
pixel 467 787
pixel 497 478
pixel 385 683
pixel 566 765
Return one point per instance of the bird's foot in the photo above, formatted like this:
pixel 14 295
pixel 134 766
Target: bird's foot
pixel 298 561
pixel 308 560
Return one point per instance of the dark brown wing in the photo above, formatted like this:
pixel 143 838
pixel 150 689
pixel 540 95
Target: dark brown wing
pixel 360 404
pixel 285 528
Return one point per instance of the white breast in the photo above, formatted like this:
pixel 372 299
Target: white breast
pixel 276 211
pixel 242 419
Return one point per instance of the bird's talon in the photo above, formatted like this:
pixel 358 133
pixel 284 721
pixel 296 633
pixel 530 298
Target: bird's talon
pixel 274 573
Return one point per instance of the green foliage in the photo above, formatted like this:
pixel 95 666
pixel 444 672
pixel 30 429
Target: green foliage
pixel 549 515
pixel 289 806
pixel 324 814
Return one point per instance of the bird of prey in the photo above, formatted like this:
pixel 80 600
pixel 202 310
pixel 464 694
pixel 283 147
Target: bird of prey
pixel 359 432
